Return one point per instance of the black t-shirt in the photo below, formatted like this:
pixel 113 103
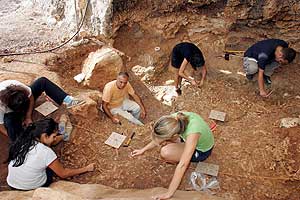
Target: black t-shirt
pixel 190 52
pixel 264 51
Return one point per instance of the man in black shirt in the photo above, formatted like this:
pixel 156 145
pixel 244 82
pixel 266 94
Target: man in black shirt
pixel 182 54
pixel 264 57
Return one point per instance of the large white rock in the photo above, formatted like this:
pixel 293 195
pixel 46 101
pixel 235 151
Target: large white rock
pixel 289 122
pixel 101 67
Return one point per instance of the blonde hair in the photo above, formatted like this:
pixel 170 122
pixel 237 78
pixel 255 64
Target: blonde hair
pixel 168 126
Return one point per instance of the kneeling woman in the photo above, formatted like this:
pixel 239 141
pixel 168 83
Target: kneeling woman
pixel 188 138
pixel 32 161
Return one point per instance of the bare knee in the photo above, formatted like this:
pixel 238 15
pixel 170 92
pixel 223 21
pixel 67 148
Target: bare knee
pixel 165 152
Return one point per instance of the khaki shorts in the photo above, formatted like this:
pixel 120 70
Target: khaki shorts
pixel 251 67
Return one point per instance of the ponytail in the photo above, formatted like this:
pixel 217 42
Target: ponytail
pixel 167 126
pixel 183 121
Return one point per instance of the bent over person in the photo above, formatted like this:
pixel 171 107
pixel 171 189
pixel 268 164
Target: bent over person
pixel 17 102
pixel 32 162
pixel 185 138
pixel 263 58
pixel 183 54
pixel 115 100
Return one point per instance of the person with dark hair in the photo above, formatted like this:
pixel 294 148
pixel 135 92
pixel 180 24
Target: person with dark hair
pixel 115 101
pixel 183 54
pixel 185 138
pixel 32 161
pixel 263 58
pixel 17 102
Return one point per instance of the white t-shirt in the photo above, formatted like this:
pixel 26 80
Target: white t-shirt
pixel 3 85
pixel 32 173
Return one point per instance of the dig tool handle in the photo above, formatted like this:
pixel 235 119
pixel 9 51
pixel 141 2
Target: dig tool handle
pixel 127 143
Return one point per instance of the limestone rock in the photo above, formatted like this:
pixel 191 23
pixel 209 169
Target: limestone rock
pixel 289 122
pixel 80 42
pixel 101 66
pixel 146 72
pixel 64 190
pixel 50 194
pixel 89 109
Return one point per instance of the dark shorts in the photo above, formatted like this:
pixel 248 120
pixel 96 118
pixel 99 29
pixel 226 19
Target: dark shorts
pixel 176 61
pixel 199 156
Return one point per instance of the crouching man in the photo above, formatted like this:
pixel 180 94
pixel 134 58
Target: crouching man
pixel 264 57
pixel 115 101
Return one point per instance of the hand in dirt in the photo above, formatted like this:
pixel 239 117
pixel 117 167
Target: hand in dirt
pixel 137 152
pixel 162 196
pixel 265 94
pixel 278 70
pixel 115 120
pixel 27 121
pixel 193 82
pixel 143 114
pixel 201 83
pixel 90 167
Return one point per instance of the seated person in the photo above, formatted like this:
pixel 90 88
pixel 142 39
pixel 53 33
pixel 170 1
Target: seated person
pixel 183 54
pixel 32 161
pixel 115 100
pixel 263 58
pixel 17 101
pixel 185 138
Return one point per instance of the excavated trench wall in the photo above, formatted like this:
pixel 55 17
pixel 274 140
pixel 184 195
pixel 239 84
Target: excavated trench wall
pixel 259 19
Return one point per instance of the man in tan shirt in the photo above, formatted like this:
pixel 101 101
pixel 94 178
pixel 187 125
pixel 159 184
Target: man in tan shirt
pixel 115 100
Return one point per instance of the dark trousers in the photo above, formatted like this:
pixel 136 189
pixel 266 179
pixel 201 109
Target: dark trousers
pixel 49 173
pixel 51 89
pixel 13 121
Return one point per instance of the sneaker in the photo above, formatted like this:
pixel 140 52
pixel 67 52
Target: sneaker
pixel 267 80
pixel 250 76
pixel 75 102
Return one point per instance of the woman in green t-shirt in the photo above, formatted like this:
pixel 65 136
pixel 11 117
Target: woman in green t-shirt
pixel 185 138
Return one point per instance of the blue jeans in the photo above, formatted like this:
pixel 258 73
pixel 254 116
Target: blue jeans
pixel 130 110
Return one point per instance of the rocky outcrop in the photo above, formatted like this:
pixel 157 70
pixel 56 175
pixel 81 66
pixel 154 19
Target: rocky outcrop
pixel 63 190
pixel 89 109
pixel 68 14
pixel 265 19
pixel 100 67
pixel 240 22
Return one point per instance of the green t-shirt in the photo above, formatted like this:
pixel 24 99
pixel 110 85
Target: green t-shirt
pixel 197 125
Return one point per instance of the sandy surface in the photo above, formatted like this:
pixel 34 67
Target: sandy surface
pixel 24 27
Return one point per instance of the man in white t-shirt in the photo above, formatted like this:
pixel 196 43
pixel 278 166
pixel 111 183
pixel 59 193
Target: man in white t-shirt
pixel 17 101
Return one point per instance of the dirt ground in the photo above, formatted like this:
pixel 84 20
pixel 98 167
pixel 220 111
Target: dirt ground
pixel 257 159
